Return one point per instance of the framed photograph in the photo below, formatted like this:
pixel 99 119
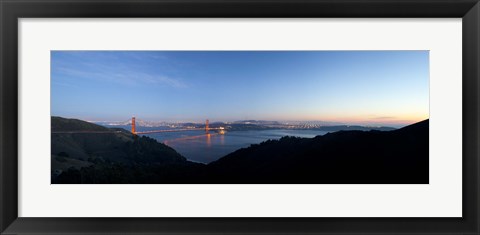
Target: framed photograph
pixel 169 117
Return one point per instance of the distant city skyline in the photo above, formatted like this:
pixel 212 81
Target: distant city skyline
pixel 388 88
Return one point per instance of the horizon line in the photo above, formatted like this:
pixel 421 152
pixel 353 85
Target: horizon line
pixel 366 122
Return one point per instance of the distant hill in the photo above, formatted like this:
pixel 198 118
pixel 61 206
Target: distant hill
pixel 355 128
pixel 257 122
pixel 323 126
pixel 344 157
pixel 83 152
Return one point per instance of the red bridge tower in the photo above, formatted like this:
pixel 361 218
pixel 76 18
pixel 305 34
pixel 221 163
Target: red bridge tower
pixel 206 127
pixel 133 126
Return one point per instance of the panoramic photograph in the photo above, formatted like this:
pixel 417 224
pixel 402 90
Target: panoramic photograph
pixel 239 117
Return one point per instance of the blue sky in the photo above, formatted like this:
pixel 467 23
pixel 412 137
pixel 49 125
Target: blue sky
pixel 356 87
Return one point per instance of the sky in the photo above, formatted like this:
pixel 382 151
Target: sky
pixel 351 87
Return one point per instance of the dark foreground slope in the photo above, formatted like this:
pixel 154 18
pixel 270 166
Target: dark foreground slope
pixel 345 157
pixel 83 152
pixel 87 153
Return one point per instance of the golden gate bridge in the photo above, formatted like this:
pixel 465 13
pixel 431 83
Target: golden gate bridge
pixel 207 128
pixel 132 122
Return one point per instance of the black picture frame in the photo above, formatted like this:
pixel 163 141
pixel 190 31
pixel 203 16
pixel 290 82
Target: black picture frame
pixel 12 10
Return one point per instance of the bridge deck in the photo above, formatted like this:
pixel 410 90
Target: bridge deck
pixel 175 130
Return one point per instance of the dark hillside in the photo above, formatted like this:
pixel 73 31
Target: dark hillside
pixel 83 152
pixel 344 157
pixel 59 124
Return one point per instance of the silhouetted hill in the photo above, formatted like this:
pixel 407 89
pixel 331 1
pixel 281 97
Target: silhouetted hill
pixel 344 157
pixel 66 124
pixel 88 153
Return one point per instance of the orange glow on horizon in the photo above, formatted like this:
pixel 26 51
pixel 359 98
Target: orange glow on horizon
pixel 362 119
pixel 372 119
